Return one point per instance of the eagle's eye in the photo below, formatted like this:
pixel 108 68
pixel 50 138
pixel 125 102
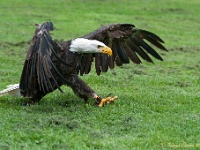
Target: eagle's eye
pixel 99 46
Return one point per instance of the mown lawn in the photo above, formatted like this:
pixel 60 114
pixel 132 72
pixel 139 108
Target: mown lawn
pixel 158 105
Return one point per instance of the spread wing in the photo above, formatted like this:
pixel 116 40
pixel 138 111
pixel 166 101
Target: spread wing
pixel 127 43
pixel 40 66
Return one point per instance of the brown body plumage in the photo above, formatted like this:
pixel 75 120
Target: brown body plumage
pixel 49 65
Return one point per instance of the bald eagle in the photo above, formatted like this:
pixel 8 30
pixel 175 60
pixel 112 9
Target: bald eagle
pixel 49 64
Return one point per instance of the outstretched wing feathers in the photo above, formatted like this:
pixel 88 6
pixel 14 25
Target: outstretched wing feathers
pixel 151 37
pixel 127 43
pixel 148 48
pixel 104 60
pixel 138 50
pixel 38 67
pixel 120 50
pixel 149 34
pixel 44 63
pixel 156 43
pixel 87 67
pixel 133 56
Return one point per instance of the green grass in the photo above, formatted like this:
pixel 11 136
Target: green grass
pixel 158 105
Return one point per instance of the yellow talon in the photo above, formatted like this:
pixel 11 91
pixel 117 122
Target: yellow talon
pixel 106 101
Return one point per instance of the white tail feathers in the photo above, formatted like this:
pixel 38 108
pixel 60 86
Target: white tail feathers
pixel 12 89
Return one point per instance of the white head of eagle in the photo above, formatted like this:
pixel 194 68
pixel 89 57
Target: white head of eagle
pixel 81 45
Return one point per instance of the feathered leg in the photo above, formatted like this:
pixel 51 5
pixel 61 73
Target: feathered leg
pixel 82 90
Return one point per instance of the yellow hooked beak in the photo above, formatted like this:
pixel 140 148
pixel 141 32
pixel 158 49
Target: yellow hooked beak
pixel 106 50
